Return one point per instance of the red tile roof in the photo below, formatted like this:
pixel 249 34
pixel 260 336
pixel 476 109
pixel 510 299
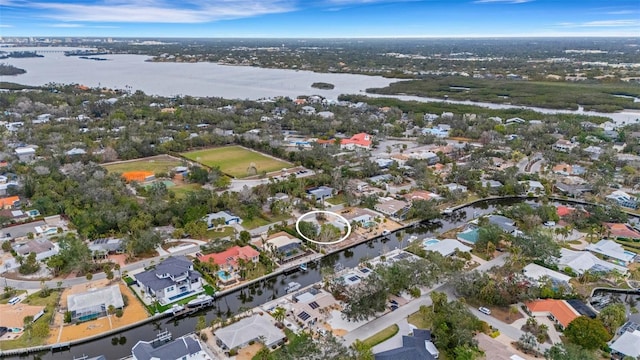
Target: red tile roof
pixel 361 139
pixel 231 255
pixel 564 210
pixel 560 310
pixel 9 202
pixel 622 231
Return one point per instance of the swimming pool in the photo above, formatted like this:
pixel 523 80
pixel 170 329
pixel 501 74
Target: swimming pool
pixel 369 224
pixel 224 276
pixel 429 242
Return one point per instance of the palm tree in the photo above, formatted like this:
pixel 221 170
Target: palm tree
pixel 279 314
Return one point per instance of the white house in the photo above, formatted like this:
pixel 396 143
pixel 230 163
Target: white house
pixel 182 348
pixel 171 280
pixel 611 250
pixel 228 218
pixel 25 154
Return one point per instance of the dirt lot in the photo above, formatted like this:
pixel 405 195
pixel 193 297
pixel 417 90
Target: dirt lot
pixel 247 353
pixel 132 313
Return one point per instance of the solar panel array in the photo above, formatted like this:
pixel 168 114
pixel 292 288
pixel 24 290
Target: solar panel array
pixel 354 278
pixel 304 316
pixel 314 305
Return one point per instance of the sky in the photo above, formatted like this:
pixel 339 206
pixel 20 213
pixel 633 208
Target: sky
pixel 319 18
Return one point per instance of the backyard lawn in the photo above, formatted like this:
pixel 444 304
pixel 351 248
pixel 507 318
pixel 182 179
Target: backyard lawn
pixel 215 234
pixel 235 160
pixel 39 332
pixel 155 164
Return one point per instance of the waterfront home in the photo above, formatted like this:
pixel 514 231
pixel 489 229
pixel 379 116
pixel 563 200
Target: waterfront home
pixel 251 329
pixel 225 216
pixel 391 207
pixel 186 347
pixel 623 199
pixel 228 259
pixel 421 195
pixel 309 306
pixel 469 236
pixel 283 245
pixel 626 346
pixel 581 261
pixel 622 231
pixel 94 303
pixel 446 247
pixel 417 346
pixel 612 251
pixel 504 223
pixel 171 280
pixel 560 311
pixel 564 146
pixel 453 187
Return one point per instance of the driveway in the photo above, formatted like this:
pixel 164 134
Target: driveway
pixel 404 328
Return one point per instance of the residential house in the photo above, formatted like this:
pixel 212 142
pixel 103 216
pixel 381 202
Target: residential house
pixel 103 247
pixel 566 169
pixel 622 198
pixel 533 186
pixel 417 346
pixel 380 179
pixel 453 187
pixel 227 216
pixel 327 115
pixel 320 193
pixel 310 305
pixel 558 310
pixel 564 145
pixel 250 329
pixel 11 202
pixel 539 273
pixel 283 245
pixel 446 247
pixel 626 346
pixel 492 185
pixel 94 303
pixel 612 251
pixel 417 195
pixel 573 190
pixel 384 163
pixel 507 225
pixel 76 152
pixel 182 348
pixel 228 259
pixel 391 207
pixel 42 247
pixel 171 280
pixel 622 231
pixel 581 261
pixel 447 115
pixel 361 141
pixel 594 151
pixel 437 132
pixel 431 157
pixel 25 154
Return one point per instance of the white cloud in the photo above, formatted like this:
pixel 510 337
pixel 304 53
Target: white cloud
pixel 602 23
pixel 158 11
pixel 64 25
pixel 502 1
pixel 622 12
pixel 5 26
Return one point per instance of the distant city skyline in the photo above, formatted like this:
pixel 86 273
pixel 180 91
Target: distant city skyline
pixel 319 18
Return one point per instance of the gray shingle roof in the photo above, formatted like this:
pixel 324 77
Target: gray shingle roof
pixel 413 348
pixel 174 266
pixel 176 349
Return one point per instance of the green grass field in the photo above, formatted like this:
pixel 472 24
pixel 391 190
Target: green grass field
pixel 235 160
pixel 156 164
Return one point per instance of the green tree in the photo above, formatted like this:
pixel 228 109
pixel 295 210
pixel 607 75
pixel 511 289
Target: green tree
pixel 363 351
pixel 587 333
pixel 613 316
pixel 279 314
pixel 569 352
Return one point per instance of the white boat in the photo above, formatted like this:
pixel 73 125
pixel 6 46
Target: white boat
pixel 175 309
pixel 201 300
pixel 304 267
pixel 448 211
pixel 293 286
pixel 386 232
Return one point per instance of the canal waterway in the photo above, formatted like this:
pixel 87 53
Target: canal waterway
pixel 272 288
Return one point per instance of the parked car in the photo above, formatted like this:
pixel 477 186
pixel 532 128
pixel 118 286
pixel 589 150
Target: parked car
pixel 484 310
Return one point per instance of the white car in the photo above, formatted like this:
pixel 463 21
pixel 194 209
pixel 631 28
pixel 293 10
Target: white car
pixel 484 310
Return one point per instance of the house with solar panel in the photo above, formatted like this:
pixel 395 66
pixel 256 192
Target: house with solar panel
pixel 307 307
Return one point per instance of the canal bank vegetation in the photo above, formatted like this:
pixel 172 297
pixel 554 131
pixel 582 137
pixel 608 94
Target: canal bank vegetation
pixel 10 70
pixel 596 96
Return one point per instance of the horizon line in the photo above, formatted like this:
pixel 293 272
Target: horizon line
pixel 334 37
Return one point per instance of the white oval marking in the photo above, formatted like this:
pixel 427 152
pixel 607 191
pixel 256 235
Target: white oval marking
pixel 326 212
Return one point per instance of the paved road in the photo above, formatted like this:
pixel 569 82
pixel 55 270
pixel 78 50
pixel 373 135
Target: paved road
pixel 394 317
pixel 35 284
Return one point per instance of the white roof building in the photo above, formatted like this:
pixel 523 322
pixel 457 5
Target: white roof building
pixel 628 344
pixel 581 261
pixel 94 302
pixel 448 247
pixel 612 250
pixel 254 327
pixel 536 272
